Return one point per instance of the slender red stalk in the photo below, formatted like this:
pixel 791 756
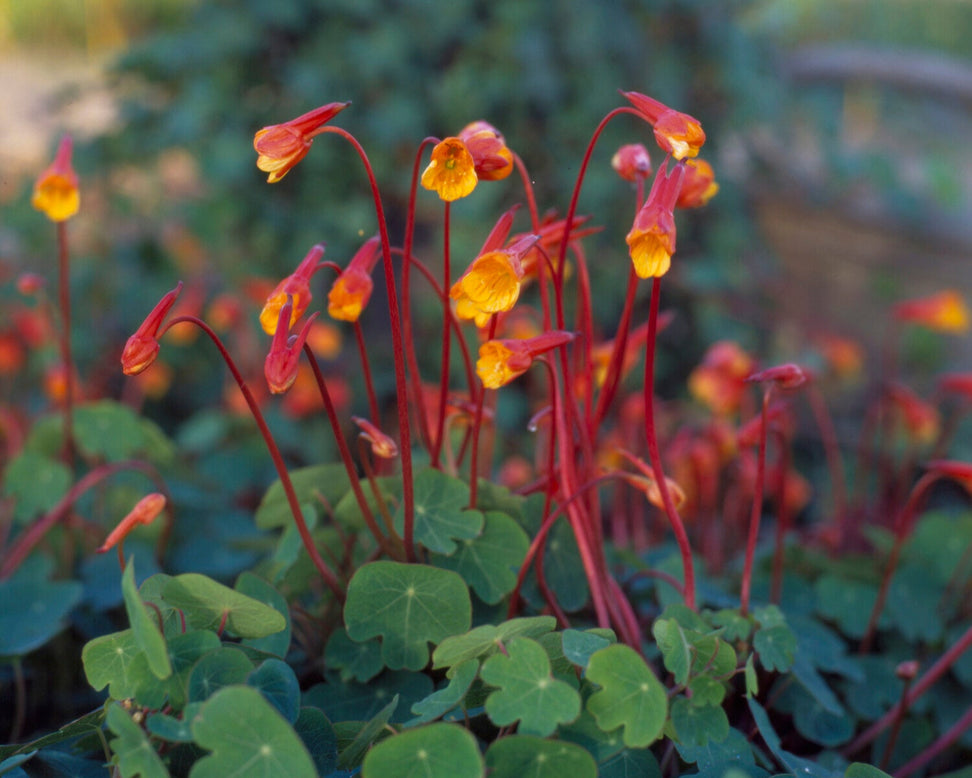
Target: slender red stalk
pixel 782 516
pixel 613 377
pixel 446 338
pixel 401 388
pixel 366 374
pixel 947 738
pixel 747 575
pixel 67 360
pixel 681 537
pixel 476 425
pixel 828 437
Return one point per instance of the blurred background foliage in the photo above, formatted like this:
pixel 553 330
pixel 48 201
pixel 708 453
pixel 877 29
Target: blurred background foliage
pixel 171 190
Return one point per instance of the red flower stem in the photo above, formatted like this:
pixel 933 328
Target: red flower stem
pixel 67 360
pixel 330 579
pixel 408 337
pixel 366 373
pixel 895 728
pixel 477 423
pixel 828 437
pixel 363 456
pixel 681 537
pixel 904 523
pixel 31 536
pixel 346 459
pixel 922 685
pixel 616 363
pixel 585 324
pixel 446 338
pixel 401 388
pixel 757 511
pixel 528 191
pixel 947 738
pixel 782 516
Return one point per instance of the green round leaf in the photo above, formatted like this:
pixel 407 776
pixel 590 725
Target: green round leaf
pixel 319 739
pixel 698 724
pixel 253 586
pixel 248 738
pixel 527 692
pixel 276 680
pixel 630 695
pixel 442 514
pixel 36 483
pixel 354 660
pixel 408 606
pixel 520 755
pixel 33 611
pixel 485 640
pixel 207 604
pixel 435 751
pixel 328 481
pixel 224 667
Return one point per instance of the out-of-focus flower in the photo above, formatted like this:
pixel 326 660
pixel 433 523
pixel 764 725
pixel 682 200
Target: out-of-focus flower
pixel 957 383
pixel 632 162
pixel 142 348
pixel 225 312
pixel 296 286
pixel 551 236
pixel 56 384
pixel 12 355
pixel 787 376
pixel 943 312
pixel 500 361
pixel 451 172
pixel 720 381
pixel 699 185
pixel 56 192
pixel 491 284
pixel 676 133
pixel 842 355
pixel 920 420
pixel 352 289
pixel 281 146
pixel 145 512
pixel 156 382
pixel 651 241
pixel 280 366
pixel 492 160
pixel 29 284
pixel 324 339
pixel 381 444
pixel 601 352
pixel 515 472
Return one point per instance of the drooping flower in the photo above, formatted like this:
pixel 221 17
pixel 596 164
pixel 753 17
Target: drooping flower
pixel 651 241
pixel 492 160
pixel 297 286
pixel 352 289
pixel 491 284
pixel 56 192
pixel 281 146
pixel 720 381
pixel 943 312
pixel 645 481
pixel 500 361
pixel 632 162
pixel 451 172
pixel 699 185
pixel 787 376
pixel 145 512
pixel 381 444
pixel 283 359
pixel 142 348
pixel 676 133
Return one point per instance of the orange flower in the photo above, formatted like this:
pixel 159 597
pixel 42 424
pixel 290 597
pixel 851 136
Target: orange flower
pixel 280 366
pixel 324 339
pixel 720 381
pixel 651 241
pixel 297 286
pixel 632 162
pixel 699 185
pixel 676 133
pixel 500 361
pixel 142 348
pixel 352 289
pixel 145 512
pixel 492 160
pixel 381 445
pixel 551 236
pixel 942 312
pixel 788 376
pixel 491 284
pixel 842 355
pixel 281 146
pixel 56 191
pixel 919 419
pixel 451 172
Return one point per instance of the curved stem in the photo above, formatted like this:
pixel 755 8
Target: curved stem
pixel 757 511
pixel 446 338
pixel 366 371
pixel 477 423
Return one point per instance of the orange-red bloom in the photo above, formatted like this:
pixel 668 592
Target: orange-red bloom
pixel 699 185
pixel 920 419
pixel 352 289
pixel 491 284
pixel 632 162
pixel 142 348
pixel 297 286
pixel 500 361
pixel 451 172
pixel 281 146
pixel 720 381
pixel 651 241
pixel 56 192
pixel 381 444
pixel 677 133
pixel 957 383
pixel 492 160
pixel 144 512
pixel 942 312
pixel 283 359
pixel 787 376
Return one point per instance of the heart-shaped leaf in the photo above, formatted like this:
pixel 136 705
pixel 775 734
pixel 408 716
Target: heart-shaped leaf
pixel 248 739
pixel 527 692
pixel 224 667
pixel 359 661
pixel 435 751
pixel 408 606
pixel 277 682
pixel 519 755
pixel 630 695
pixel 442 514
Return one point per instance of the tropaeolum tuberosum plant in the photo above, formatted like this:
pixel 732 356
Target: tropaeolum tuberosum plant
pixel 419 614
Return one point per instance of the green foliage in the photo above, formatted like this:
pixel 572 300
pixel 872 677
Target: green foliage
pixel 436 751
pixel 631 696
